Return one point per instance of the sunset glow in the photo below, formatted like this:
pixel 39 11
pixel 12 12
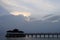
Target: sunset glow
pixel 25 14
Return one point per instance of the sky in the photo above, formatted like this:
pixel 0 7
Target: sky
pixel 36 9
pixel 30 15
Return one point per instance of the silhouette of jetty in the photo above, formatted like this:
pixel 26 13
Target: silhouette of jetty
pixel 15 33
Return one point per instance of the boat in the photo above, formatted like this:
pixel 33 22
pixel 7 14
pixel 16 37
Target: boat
pixel 15 33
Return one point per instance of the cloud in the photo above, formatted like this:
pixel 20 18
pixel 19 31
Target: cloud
pixel 25 14
pixel 37 8
pixel 55 21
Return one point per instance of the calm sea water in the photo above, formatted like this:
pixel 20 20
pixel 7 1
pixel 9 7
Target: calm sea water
pixel 3 38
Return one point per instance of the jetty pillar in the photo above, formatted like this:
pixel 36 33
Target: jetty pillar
pixel 31 35
pixel 27 35
pixel 52 35
pixel 44 35
pixel 36 36
pixel 40 36
pixel 57 35
pixel 48 35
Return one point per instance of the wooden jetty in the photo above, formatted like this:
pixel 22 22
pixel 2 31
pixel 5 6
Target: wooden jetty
pixel 49 35
pixel 16 33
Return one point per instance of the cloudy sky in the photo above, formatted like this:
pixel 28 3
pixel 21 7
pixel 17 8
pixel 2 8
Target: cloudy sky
pixel 31 8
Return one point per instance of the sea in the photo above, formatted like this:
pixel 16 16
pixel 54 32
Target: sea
pixel 4 38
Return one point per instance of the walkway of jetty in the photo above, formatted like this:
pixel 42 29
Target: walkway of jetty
pixel 44 35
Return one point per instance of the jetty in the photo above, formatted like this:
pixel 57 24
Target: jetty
pixel 16 33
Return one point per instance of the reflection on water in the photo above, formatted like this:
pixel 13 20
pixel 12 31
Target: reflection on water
pixel 15 38
pixel 29 38
pixel 32 38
